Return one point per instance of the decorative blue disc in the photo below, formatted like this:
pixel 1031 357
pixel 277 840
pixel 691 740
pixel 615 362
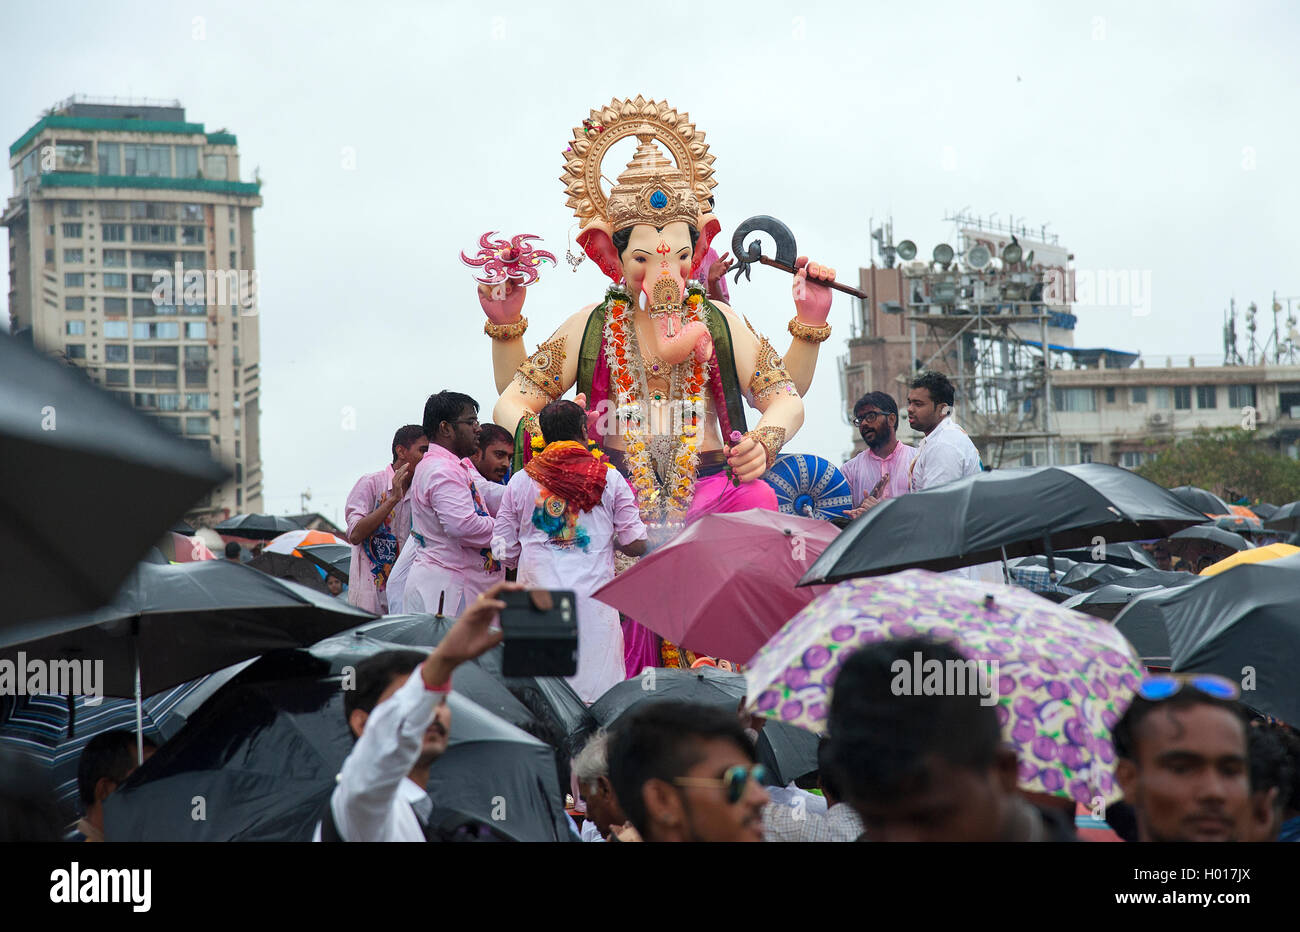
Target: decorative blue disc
pixel 658 200
pixel 810 486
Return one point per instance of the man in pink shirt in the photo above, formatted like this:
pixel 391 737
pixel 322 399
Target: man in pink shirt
pixel 880 471
pixel 450 520
pixel 378 516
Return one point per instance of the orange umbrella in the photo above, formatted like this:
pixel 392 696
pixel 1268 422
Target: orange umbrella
pixel 1257 555
pixel 290 541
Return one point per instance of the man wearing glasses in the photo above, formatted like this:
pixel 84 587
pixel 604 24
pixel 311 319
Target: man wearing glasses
pixel 686 772
pixel 450 521
pixel 883 469
pixel 1183 763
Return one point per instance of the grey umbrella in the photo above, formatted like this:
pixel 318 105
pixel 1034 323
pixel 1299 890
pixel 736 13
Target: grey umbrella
pixel 72 458
pixel 257 527
pixel 1001 514
pixel 335 559
pixel 1286 518
pixel 1109 600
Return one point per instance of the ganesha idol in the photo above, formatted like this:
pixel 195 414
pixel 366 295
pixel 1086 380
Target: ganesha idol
pixel 664 371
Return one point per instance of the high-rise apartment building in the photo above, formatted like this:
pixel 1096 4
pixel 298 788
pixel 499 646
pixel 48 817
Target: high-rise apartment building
pixel 131 255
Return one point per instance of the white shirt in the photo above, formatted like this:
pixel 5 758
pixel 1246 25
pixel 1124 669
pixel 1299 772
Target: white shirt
pixel 785 822
pixel 946 455
pixel 561 562
pixel 372 801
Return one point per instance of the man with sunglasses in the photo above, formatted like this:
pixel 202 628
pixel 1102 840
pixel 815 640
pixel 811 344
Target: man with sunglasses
pixel 686 772
pixel 1183 759
pixel 883 469
pixel 450 520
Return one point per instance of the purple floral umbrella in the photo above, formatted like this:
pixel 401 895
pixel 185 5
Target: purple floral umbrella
pixel 1064 679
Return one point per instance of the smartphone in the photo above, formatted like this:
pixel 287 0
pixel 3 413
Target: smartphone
pixel 541 633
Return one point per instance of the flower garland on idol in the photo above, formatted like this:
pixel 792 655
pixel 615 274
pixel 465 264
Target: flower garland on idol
pixel 670 501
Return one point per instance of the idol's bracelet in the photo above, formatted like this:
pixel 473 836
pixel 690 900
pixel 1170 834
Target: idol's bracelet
pixel 531 424
pixel 772 439
pixel 506 331
pixel 809 333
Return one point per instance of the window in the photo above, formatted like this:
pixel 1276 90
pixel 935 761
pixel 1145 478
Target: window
pixel 196 425
pixel 73 255
pixel 112 210
pixel 191 260
pixel 1086 451
pixel 236 420
pixel 49 253
pixel 1132 460
pixel 115 329
pixel 141 330
pixel 187 161
pixel 196 355
pixel 191 211
pixel 191 236
pixel 1162 398
pixel 196 401
pixel 231 231
pixel 1183 397
pixel 113 232
pixel 116 352
pixel 115 305
pixel 166 355
pixel 196 378
pixel 169 402
pixel 29 167
pixel 148 161
pixel 143 377
pixel 1074 399
pixel 74 303
pixel 165 377
pixel 153 210
pixel 142 282
pixel 115 281
pixel 144 330
pixel 234 263
pixel 168 331
pixel 74 280
pixel 72 230
pixel 1207 396
pixel 153 233
pixel 72 208
pixel 117 376
pixel 170 424
pixel 1110 396
pixel 1241 396
pixel 76 328
pixel 72 157
pixel 214 166
pixel 75 350
pixel 110 158
pixel 114 258
pixel 196 330
pixel 145 399
pixel 143 307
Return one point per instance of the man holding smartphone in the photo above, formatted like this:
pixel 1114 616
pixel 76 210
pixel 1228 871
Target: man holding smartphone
pixel 559 522
pixel 399 715
pixel 882 470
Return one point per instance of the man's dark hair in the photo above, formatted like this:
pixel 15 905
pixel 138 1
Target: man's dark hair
pixel 1126 729
pixel 406 436
pixel 881 742
pixel 232 549
pixel 937 384
pixel 444 406
pixel 563 420
pixel 826 769
pixel 374 674
pixel 493 433
pixel 882 400
pixel 1270 762
pixel 111 754
pixel 621 238
pixel 661 741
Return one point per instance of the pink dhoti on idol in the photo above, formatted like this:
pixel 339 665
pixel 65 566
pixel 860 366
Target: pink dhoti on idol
pixel 666 373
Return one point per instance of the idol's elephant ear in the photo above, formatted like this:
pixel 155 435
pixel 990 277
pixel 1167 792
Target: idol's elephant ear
pixel 709 228
pixel 596 243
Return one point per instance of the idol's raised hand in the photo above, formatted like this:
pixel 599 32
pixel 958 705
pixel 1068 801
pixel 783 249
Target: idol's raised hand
pixel 502 303
pixel 812 300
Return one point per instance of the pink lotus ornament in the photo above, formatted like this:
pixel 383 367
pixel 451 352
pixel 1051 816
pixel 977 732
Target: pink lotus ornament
pixel 513 260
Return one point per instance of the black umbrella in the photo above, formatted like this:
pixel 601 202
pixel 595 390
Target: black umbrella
pixel 182 527
pixel 550 699
pixel 287 566
pixel 1085 576
pixel 1108 601
pixel 1286 518
pixel 257 527
pixel 1003 513
pixel 1210 533
pixel 1142 621
pixel 1264 510
pixel 335 559
pixel 115 472
pixel 1125 554
pixel 1244 624
pixel 788 751
pixel 1201 500
pixel 264 751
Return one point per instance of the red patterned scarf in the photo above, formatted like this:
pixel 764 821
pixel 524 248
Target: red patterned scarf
pixel 570 471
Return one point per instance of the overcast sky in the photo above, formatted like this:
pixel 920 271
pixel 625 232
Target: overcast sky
pixel 1158 137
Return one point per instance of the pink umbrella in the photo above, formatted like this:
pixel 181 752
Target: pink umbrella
pixel 184 549
pixel 726 584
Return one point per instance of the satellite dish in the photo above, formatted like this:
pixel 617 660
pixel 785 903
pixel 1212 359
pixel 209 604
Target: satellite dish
pixel 978 256
pixel 1012 252
pixel 907 250
pixel 943 254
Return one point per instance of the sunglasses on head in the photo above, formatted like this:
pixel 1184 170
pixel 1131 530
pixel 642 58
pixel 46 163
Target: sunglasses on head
pixel 1160 686
pixel 733 781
